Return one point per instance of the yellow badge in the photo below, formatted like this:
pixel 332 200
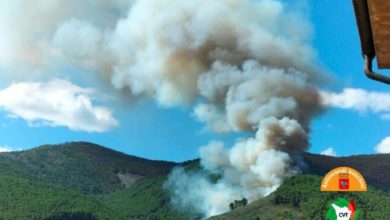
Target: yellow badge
pixel 344 179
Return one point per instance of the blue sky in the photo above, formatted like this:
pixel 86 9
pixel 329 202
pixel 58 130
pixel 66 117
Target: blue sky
pixel 148 130
pixel 338 46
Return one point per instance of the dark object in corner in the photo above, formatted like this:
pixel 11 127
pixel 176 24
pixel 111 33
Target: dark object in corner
pixel 373 21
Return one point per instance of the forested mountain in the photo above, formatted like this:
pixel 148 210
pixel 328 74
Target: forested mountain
pixel 82 166
pixel 81 180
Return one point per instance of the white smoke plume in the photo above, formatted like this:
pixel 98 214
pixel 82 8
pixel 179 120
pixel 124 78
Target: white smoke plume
pixel 254 72
pixel 248 64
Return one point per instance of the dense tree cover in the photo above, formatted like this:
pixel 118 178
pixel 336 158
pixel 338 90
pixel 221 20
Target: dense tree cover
pixel 79 181
pixel 72 216
pixel 145 200
pixel 86 167
pixel 22 199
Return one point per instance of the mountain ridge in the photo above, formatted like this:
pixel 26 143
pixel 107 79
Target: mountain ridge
pixel 83 163
pixel 50 175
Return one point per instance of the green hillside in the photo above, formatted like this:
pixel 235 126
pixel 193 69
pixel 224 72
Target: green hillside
pixel 82 166
pixel 81 180
pixel 145 200
pixel 22 199
pixel 300 198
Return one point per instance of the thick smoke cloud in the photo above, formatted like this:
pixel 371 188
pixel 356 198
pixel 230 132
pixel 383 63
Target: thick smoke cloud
pixel 248 64
pixel 27 27
pixel 164 46
pixel 252 74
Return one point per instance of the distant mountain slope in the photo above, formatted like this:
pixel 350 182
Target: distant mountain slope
pixel 82 166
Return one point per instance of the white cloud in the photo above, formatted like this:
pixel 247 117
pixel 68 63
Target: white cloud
pixel 359 100
pixel 384 146
pixel 56 103
pixel 5 149
pixel 329 152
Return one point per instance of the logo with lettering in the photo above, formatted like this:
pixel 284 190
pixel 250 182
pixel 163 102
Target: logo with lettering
pixel 342 209
pixel 343 179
